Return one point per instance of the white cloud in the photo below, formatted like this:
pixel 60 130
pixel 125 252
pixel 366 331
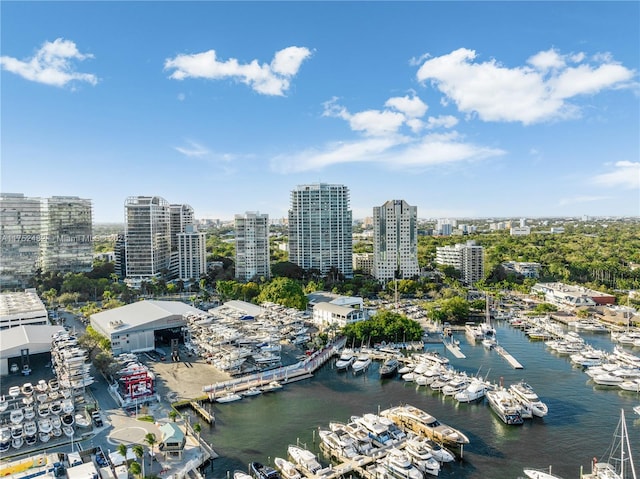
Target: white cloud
pixel 442 121
pixel 581 199
pixel 412 107
pixel 266 79
pixel 626 174
pixel 52 64
pixel 193 149
pixel 532 93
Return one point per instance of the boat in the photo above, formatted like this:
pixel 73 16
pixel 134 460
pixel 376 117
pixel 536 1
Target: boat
pixel 67 406
pixel 29 412
pixel 252 391
pixel 14 391
pixel 28 400
pixel 17 430
pixel 42 397
pixel 505 406
pixel 538 474
pixel 229 397
pixel 42 386
pixel 399 465
pixel 44 436
pixel 525 394
pixel 375 429
pixel 67 420
pixel 53 384
pixel 636 409
pixel 4 404
pixel 30 428
pixel 82 421
pixel 272 386
pixel 238 474
pixel 475 390
pixel 261 471
pixel 361 363
pixel 287 470
pixel 346 359
pixel 619 463
pixel 27 389
pixel 338 446
pixel 389 368
pixel 421 456
pixel 422 422
pixel 56 432
pixel 17 442
pixel 43 409
pixel 68 430
pixel 16 416
pixel 304 459
pixel 44 425
pixel 55 407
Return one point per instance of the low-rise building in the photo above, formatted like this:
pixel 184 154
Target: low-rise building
pixel 334 310
pixel 571 295
pixel 172 440
pixel 22 308
pixel 525 269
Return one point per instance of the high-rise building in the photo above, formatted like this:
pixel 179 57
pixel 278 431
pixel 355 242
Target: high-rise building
pixel 468 258
pixel 181 216
pixel 192 253
pixel 252 246
pixel 147 237
pixel 320 228
pixel 20 236
pixel 66 243
pixel 395 241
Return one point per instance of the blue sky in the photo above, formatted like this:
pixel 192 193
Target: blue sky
pixel 465 109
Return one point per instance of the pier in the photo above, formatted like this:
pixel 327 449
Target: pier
pixel 206 415
pixel 454 349
pixel 510 359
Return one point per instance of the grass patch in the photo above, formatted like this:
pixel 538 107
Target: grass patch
pixel 146 418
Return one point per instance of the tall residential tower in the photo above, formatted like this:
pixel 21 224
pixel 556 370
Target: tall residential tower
pixel 252 246
pixel 320 228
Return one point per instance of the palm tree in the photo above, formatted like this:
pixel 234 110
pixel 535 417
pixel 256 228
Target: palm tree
pixel 150 438
pixel 122 450
pixel 173 414
pixel 138 450
pixel 135 469
pixel 197 428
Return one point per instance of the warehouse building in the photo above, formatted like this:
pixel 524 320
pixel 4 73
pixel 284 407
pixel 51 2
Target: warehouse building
pixel 25 346
pixel 144 325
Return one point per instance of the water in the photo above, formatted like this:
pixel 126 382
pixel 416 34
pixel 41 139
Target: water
pixel 581 422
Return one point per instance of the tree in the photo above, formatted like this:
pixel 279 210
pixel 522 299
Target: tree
pixel 197 428
pixel 122 450
pixel 173 414
pixel 135 469
pixel 150 438
pixel 138 450
pixel 287 269
pixel 284 291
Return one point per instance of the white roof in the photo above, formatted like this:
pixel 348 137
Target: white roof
pixel 139 314
pixel 333 308
pixel 37 338
pixel 242 306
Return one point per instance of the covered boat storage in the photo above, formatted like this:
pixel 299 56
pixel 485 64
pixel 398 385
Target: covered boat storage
pixel 144 325
pixel 34 340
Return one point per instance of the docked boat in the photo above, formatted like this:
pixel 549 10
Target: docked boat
pixel 55 407
pixel 474 391
pixel 17 442
pixel 4 404
pixel 346 359
pixel 42 397
pixel 28 400
pixel 229 397
pixel 361 363
pixel 261 471
pixel 16 416
pixel 422 458
pixel 43 409
pixel 337 445
pixel 5 439
pixel 272 386
pixel 31 440
pixel 525 394
pixel 238 474
pixel 67 406
pixel 252 391
pixel 53 384
pixel 421 422
pixel 27 389
pixel 287 469
pixel 389 368
pixel 375 429
pixel 44 436
pixel 68 430
pixel 30 428
pixel 17 430
pixel 44 425
pixel 538 474
pixel 399 465
pixel 56 432
pixel 505 406
pixel 304 459
pixel 29 412
pixel 67 419
pixel 42 386
pixel 14 391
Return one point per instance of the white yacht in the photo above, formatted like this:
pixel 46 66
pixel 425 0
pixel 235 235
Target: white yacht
pixel 399 465
pixel 346 359
pixel 336 445
pixel 272 386
pixel 505 406
pixel 16 416
pixel 422 458
pixel 229 397
pixel 287 469
pixel 537 474
pixel 361 363
pixel 525 394
pixel 304 459
pixel 5 439
pixel 475 390
pixel 4 404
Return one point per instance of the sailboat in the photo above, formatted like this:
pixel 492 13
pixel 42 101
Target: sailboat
pixel 617 462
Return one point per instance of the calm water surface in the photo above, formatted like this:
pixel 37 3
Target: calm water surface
pixel 580 425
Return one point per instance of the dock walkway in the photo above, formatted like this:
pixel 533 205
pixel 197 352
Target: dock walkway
pixel 510 359
pixel 454 349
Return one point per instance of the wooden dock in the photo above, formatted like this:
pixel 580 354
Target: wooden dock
pixel 454 349
pixel 206 415
pixel 510 359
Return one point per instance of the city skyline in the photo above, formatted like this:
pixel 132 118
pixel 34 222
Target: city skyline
pixel 464 109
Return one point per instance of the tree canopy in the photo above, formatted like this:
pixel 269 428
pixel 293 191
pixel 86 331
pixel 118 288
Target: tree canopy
pixel 387 326
pixel 284 291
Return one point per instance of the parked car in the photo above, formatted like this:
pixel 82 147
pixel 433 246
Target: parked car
pixel 97 419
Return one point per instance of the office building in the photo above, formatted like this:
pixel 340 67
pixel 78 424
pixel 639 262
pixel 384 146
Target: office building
pixel 395 241
pixel 192 253
pixel 252 246
pixel 147 238
pixel 181 216
pixel 363 262
pixel 320 228
pixel 66 242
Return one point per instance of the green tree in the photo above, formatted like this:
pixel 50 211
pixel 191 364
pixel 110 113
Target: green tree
pixel 197 428
pixel 135 469
pixel 284 291
pixel 122 450
pixel 173 414
pixel 138 450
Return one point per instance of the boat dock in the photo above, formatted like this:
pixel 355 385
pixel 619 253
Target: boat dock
pixel 510 359
pixel 454 349
pixel 206 415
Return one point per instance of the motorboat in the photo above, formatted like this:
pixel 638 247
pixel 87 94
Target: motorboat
pixel 439 453
pixel 352 431
pixel 30 428
pixel 67 406
pixel 304 459
pixel 389 368
pixel 422 422
pixel 272 386
pixel 42 397
pixel 68 430
pixel 44 425
pixel 14 391
pixel 337 445
pixel 82 421
pixel 525 394
pixel 376 430
pixel 458 383
pixel 361 363
pixel 5 439
pixel 252 391
pixel 55 422
pixel 17 430
pixel 505 406
pixel 17 442
pixel 421 457
pixel 55 407
pixel 27 389
pixel 4 404
pixel 346 359
pixel 261 471
pixel 67 419
pixel 42 386
pixel 28 400
pixel 475 390
pixel 399 465
pixel 607 379
pixel 636 409
pixel 538 474
pixel 53 384
pixel 16 416
pixel 229 397
pixel 286 468
pixel 29 412
pixel 238 474
pixel 31 440
pixel 56 432
pixel 44 436
pixel 43 409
